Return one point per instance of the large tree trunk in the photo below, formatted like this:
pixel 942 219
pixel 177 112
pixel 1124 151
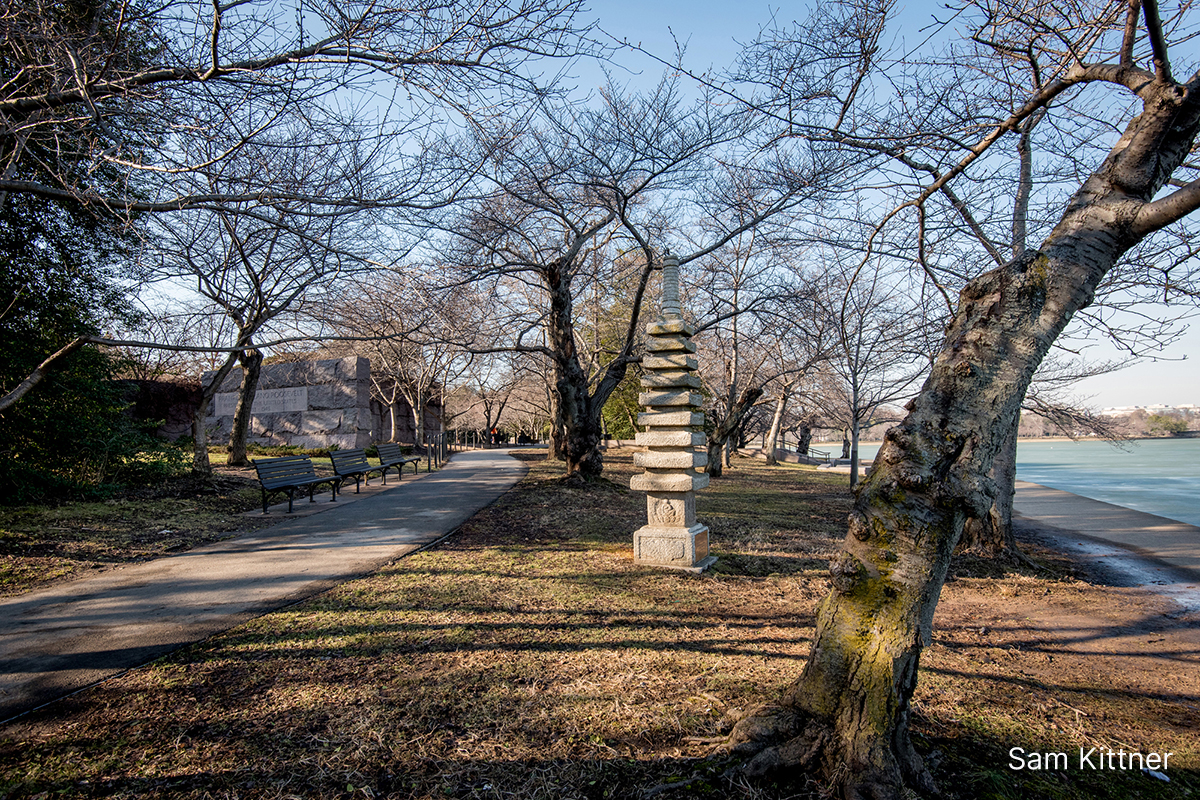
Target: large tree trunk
pixel 848 713
pixel 251 361
pixel 992 535
pixel 581 431
pixel 200 463
pixel 718 435
pixel 776 424
pixel 850 706
pixel 578 417
pixel 579 421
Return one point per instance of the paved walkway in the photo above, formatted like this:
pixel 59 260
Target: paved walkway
pixel 1176 544
pixel 59 640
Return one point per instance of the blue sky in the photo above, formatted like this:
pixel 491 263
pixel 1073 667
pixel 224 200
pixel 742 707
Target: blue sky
pixel 712 31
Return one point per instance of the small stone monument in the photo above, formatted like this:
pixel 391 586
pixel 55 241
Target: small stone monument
pixel 671 537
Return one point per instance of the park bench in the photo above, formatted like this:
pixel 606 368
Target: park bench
pixel 286 474
pixel 353 464
pixel 391 456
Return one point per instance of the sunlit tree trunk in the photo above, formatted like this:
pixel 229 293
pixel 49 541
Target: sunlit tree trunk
pixel 418 413
pixel 251 361
pixel 776 424
pixel 848 713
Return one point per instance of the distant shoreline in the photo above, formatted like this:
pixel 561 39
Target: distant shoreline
pixel 1189 435
pixel 1069 439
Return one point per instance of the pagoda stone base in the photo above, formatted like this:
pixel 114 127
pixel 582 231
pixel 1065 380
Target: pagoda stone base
pixel 676 547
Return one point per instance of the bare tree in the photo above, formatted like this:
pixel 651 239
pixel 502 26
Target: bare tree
pixel 256 268
pixel 124 84
pixel 494 383
pixel 123 107
pixel 848 712
pixel 586 195
pixel 411 335
pixel 880 349
pixel 799 355
pixel 749 296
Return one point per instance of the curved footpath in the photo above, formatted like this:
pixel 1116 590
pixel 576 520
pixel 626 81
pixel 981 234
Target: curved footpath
pixel 1137 548
pixel 59 640
pixel 1176 544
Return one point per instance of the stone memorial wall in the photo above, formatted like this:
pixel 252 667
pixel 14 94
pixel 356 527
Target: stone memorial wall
pixel 304 403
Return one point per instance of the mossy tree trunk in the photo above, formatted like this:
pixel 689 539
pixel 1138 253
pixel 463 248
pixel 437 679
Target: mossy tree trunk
pixel 847 716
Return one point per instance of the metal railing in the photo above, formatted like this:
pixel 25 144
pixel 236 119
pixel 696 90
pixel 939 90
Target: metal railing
pixel 438 448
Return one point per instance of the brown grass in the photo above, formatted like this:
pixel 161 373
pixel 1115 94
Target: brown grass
pixel 43 545
pixel 529 657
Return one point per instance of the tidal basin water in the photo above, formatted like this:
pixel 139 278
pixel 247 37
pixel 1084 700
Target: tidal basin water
pixel 1158 476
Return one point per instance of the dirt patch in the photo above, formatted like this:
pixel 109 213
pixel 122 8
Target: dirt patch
pixel 529 657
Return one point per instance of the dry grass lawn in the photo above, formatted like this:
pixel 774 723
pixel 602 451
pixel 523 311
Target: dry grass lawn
pixel 529 657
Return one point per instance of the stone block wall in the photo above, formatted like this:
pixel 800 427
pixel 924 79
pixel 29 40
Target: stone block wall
pixel 305 403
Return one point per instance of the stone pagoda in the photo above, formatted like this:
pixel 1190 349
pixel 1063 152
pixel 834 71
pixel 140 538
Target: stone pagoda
pixel 671 536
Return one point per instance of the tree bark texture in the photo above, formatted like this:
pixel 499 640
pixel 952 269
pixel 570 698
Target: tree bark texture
pixel 719 434
pixel 578 409
pixel 848 713
pixel 251 361
pixel 201 466
pixel 992 536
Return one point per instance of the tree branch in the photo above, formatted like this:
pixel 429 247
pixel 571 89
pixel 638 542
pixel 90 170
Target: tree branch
pixel 1131 26
pixel 1158 43
pixel 1162 212
pixel 38 374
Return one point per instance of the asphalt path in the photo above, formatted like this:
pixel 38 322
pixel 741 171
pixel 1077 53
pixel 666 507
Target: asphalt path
pixel 59 640
pixel 1128 547
pixel 1174 543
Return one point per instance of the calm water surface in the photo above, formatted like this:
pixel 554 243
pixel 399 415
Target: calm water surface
pixel 1158 476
